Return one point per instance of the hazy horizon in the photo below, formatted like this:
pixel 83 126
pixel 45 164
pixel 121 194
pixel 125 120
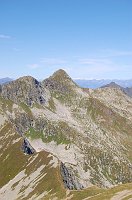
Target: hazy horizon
pixel 84 79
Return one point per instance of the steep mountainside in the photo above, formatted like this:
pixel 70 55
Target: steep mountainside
pixel 56 137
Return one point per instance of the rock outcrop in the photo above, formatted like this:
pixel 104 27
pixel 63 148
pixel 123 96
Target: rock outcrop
pixel 69 180
pixel 27 148
pixel 26 89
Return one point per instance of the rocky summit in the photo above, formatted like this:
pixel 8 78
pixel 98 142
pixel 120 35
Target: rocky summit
pixel 59 141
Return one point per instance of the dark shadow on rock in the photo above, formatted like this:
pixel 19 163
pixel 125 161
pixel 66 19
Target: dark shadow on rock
pixel 27 148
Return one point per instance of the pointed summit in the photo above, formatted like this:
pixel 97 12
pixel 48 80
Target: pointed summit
pixel 60 71
pixel 60 81
pixel 61 76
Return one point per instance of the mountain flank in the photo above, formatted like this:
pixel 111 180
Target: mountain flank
pixel 59 141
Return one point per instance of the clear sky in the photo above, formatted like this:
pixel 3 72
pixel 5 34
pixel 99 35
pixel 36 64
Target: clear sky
pixel 87 38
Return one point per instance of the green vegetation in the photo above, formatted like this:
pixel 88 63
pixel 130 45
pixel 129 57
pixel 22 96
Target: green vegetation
pixel 59 138
pixel 91 191
pixel 12 160
pixel 18 161
pixel 26 109
pixel 109 193
pixel 95 193
pixel 34 134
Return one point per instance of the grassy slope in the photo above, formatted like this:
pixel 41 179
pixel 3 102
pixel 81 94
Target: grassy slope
pixel 16 161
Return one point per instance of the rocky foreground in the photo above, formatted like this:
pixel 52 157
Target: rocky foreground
pixel 60 141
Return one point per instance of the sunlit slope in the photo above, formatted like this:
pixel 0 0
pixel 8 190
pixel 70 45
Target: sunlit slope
pixel 26 176
pixel 89 132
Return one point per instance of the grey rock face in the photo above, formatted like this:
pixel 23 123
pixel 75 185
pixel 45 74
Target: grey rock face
pixel 27 148
pixel 25 89
pixel 22 123
pixel 70 182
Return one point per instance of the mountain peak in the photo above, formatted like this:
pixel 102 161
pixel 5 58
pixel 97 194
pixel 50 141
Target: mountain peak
pixel 112 85
pixel 60 81
pixel 60 71
pixel 61 75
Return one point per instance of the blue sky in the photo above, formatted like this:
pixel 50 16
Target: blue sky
pixel 87 38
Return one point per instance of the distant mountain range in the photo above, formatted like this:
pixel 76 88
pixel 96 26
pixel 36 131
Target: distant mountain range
pixel 5 80
pixel 99 83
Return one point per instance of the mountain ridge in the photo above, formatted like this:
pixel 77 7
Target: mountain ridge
pixel 88 132
pixel 127 91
